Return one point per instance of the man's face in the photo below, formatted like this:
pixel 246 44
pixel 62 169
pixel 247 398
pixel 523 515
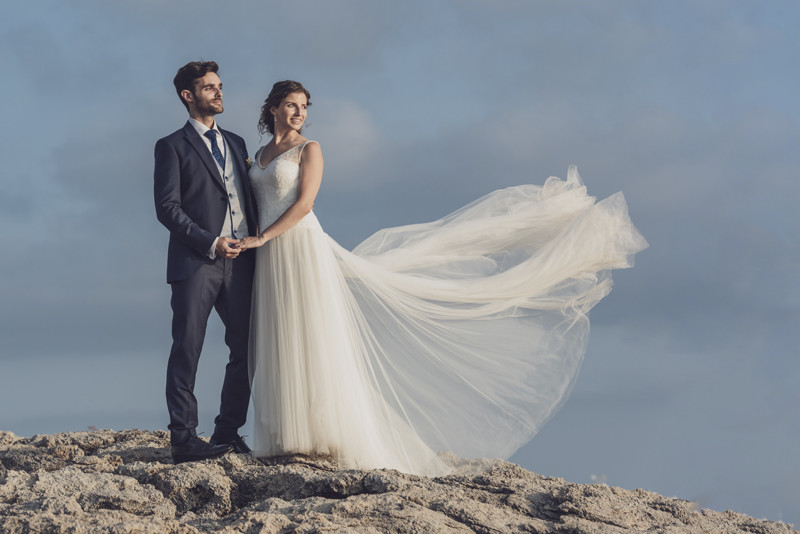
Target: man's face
pixel 206 96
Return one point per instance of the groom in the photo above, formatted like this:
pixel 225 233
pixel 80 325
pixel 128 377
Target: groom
pixel 203 197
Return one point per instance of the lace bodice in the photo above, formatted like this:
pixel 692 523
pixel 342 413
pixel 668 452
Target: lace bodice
pixel 275 186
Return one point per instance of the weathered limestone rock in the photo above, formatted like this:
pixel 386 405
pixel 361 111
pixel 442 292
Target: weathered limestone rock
pixel 125 482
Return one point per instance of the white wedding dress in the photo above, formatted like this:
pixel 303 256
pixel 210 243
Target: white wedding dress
pixel 459 337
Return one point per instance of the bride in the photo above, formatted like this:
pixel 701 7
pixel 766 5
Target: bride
pixel 460 336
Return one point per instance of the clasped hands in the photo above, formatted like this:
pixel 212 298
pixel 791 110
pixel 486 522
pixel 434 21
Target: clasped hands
pixel 231 248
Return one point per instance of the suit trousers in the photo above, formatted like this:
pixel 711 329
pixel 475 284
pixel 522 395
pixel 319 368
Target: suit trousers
pixel 225 285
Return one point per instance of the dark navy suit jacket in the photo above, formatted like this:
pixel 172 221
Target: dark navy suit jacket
pixel 191 199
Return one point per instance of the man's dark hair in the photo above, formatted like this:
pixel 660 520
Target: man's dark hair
pixel 189 73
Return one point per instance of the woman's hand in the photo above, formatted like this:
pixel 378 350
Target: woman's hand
pixel 250 242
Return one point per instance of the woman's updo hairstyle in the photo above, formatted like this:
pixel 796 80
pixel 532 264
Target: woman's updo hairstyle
pixel 266 123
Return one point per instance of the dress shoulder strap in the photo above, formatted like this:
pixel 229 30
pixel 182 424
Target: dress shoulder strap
pixel 302 147
pixel 257 156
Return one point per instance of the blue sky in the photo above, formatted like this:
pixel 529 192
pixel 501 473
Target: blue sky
pixel 690 385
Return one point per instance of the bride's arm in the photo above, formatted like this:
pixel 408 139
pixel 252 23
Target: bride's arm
pixel 309 181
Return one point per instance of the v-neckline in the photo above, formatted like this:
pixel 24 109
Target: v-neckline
pixel 261 151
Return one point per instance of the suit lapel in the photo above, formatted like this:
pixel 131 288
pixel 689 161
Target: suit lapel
pixel 244 177
pixel 236 154
pixel 202 151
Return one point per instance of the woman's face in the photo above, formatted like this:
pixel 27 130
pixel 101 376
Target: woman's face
pixel 291 112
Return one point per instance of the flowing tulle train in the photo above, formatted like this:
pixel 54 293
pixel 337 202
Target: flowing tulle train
pixel 463 335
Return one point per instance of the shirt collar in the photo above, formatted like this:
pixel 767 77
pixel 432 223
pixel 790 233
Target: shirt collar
pixel 202 128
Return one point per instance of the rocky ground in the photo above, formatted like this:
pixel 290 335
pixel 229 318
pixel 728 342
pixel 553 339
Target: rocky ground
pixel 125 482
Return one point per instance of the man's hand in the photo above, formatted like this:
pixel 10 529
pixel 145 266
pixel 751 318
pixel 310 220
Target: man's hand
pixel 227 247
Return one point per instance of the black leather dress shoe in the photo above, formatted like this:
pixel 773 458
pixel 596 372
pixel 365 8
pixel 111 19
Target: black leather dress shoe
pixel 237 443
pixel 196 449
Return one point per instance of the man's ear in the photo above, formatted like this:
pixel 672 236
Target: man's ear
pixel 187 96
